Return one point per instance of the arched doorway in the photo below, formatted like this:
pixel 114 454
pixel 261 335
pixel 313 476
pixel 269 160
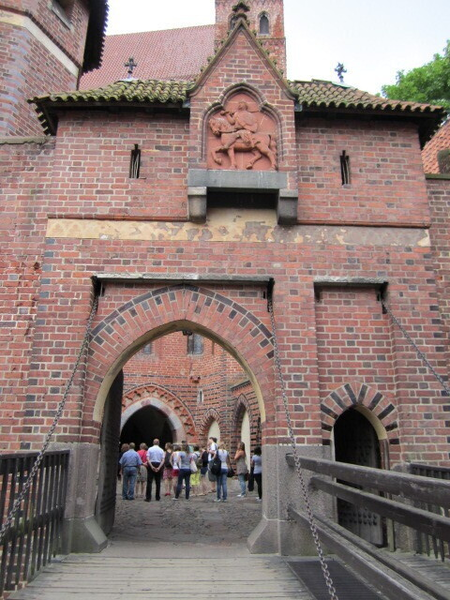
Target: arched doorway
pixel 124 332
pixel 214 430
pixel 356 442
pixel 145 425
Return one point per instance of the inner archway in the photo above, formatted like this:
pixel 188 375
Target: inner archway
pixel 160 398
pixel 145 425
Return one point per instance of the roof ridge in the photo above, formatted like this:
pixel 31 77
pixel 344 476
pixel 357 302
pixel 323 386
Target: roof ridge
pixel 210 25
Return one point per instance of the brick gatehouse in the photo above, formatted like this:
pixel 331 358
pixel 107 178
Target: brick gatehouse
pixel 184 201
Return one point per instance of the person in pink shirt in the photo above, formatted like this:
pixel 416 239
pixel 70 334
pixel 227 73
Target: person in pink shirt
pixel 142 475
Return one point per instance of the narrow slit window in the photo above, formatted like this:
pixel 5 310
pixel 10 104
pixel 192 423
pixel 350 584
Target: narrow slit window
pixel 345 168
pixel 148 349
pixel 264 25
pixel 135 162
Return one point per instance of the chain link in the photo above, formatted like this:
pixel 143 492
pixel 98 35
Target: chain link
pixel 419 352
pixel 312 523
pixel 59 411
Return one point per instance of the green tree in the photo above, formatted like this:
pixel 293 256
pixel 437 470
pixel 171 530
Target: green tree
pixel 429 83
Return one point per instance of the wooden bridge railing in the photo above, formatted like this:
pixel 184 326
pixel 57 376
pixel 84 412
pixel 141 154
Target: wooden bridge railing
pixel 33 538
pixel 425 543
pixel 430 519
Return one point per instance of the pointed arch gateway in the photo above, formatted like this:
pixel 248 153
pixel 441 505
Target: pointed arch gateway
pixel 138 321
pixel 166 310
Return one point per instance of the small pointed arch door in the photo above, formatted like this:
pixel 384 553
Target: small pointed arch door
pixel 356 442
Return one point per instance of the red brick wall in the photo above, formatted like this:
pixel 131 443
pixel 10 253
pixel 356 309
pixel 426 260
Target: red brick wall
pixel 23 171
pixel 70 39
pixel 387 180
pixel 439 195
pixel 28 67
pixel 87 176
pixel 92 162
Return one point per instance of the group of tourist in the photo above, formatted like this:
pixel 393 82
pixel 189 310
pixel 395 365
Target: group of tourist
pixel 197 470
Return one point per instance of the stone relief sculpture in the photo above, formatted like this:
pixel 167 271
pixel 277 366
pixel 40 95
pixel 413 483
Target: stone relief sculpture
pixel 245 131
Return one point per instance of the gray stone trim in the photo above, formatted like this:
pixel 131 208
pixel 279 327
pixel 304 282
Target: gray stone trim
pixel 237 180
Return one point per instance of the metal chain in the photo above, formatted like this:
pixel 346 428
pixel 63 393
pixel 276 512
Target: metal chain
pixel 419 352
pixel 312 523
pixel 59 411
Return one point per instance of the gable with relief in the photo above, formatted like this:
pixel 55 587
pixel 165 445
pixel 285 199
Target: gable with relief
pixel 241 136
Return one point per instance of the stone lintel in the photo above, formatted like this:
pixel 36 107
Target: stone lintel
pixel 189 278
pixel 19 140
pixel 238 180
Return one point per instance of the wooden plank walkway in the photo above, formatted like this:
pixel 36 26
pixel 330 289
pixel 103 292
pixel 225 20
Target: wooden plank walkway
pixel 171 550
pixel 244 577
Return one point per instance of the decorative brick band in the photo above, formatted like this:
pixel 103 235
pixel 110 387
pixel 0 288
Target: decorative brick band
pixel 358 394
pixel 202 298
pixel 180 419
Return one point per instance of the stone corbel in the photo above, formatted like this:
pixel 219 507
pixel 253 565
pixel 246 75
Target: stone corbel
pixel 197 204
pixel 287 207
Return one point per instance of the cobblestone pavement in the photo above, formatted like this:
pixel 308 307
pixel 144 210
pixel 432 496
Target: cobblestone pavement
pixel 199 520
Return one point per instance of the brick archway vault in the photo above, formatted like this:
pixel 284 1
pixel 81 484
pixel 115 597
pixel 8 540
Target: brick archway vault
pixel 166 310
pixel 179 417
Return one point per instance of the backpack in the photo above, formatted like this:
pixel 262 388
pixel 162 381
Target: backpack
pixel 216 465
pixel 167 463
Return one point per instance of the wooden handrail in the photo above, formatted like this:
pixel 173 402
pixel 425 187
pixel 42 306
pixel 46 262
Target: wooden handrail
pixel 415 487
pixel 421 520
pixel 386 573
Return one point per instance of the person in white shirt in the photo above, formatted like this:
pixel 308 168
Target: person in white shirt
pixel 155 464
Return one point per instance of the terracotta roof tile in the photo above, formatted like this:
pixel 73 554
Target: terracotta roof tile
pixel 125 91
pixel 440 141
pixel 170 54
pixel 311 94
pixel 317 94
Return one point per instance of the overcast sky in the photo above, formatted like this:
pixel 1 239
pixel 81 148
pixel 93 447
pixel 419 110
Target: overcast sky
pixel 374 40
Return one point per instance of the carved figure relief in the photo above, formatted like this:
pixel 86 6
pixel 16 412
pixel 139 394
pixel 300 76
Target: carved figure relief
pixel 241 135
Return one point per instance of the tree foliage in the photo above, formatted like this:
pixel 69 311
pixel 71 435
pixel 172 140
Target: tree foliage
pixel 429 83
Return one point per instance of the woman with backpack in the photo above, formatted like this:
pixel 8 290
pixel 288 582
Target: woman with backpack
pixel 224 457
